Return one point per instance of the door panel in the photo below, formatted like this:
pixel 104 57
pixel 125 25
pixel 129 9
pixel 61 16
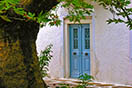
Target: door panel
pixel 86 48
pixel 75 50
pixel 79 49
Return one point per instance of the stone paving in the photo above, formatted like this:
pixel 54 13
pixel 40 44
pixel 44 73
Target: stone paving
pixel 55 83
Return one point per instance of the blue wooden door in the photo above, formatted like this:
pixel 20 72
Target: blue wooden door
pixel 85 49
pixel 79 49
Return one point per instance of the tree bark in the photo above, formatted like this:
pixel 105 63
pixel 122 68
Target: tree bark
pixel 19 66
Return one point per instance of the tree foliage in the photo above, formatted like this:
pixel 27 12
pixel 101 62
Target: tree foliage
pixel 76 8
pixel 120 9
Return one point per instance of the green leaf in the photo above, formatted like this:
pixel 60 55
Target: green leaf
pixel 13 1
pixel 4 17
pixel 31 14
pixel 19 11
pixel 2 6
pixel 2 11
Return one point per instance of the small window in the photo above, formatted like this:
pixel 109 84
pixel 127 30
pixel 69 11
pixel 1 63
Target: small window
pixel 75 38
pixel 87 38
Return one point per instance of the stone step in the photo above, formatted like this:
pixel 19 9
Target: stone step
pixel 57 83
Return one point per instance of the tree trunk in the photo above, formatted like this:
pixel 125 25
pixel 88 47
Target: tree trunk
pixel 19 66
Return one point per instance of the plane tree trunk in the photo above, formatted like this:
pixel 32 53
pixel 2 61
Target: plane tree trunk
pixel 19 66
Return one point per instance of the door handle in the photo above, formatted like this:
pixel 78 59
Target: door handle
pixel 86 54
pixel 74 53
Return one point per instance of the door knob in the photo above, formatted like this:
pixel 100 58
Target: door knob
pixel 74 53
pixel 86 54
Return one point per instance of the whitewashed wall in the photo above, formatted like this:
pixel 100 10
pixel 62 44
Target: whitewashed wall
pixel 111 48
pixel 53 35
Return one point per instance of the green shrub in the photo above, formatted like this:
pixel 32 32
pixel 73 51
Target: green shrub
pixel 44 59
pixel 84 80
pixel 83 84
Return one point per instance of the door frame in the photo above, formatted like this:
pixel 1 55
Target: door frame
pixel 66 59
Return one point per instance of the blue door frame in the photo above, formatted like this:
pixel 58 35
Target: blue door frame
pixel 79 49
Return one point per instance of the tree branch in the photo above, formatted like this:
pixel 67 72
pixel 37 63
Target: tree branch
pixel 37 6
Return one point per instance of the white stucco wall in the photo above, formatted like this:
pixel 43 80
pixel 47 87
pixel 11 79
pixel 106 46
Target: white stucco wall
pixel 112 49
pixel 53 35
pixel 111 61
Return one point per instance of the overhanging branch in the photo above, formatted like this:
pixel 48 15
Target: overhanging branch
pixel 37 6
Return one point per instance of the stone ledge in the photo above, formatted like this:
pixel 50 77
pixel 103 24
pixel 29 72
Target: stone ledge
pixel 53 83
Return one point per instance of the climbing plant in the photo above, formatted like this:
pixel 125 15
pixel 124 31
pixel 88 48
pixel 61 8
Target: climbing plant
pixel 44 59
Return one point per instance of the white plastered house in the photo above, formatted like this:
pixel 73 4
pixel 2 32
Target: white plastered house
pixel 93 47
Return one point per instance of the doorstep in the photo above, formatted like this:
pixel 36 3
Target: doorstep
pixel 55 83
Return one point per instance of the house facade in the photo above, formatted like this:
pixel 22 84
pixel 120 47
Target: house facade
pixel 93 47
